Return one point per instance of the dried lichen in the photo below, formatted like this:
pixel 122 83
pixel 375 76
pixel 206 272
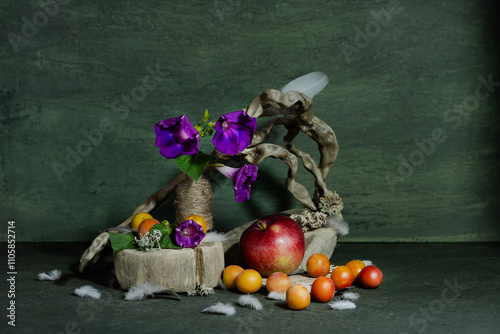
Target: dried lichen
pixel 331 204
pixel 201 290
pixel 310 220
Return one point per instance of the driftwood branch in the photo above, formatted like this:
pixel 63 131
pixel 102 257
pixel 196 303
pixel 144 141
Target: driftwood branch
pixel 94 252
pixel 271 102
pixel 297 116
pixel 257 154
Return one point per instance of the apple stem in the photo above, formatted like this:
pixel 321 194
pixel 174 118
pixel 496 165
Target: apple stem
pixel 262 226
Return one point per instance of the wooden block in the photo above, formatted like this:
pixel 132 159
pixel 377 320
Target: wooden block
pixel 180 270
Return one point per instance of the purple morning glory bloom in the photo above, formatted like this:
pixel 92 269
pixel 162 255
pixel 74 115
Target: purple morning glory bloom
pixel 234 132
pixel 242 179
pixel 189 234
pixel 176 136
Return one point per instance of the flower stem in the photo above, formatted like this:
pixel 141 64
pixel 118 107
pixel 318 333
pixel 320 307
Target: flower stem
pixel 214 164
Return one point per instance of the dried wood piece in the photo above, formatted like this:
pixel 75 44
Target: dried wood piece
pixel 257 154
pixel 272 102
pixel 297 116
pixel 94 252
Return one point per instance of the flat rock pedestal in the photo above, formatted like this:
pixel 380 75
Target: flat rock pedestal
pixel 180 270
pixel 321 240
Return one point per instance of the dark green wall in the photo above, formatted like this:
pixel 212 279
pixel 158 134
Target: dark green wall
pixel 404 83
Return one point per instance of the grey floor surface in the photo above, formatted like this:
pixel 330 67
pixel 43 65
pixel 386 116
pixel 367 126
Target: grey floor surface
pixel 427 288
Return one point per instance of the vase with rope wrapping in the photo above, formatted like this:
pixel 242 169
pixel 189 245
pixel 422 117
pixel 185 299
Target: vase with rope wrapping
pixel 194 198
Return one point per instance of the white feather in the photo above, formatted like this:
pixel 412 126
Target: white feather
pixel 250 301
pixel 220 308
pixel 367 262
pixel 87 291
pixel 52 276
pixel 350 295
pixel 143 290
pixel 309 84
pixel 342 305
pixel 221 284
pixel 214 236
pixel 277 295
pixel 339 225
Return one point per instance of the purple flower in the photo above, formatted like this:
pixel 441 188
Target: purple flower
pixel 242 180
pixel 234 132
pixel 176 136
pixel 189 234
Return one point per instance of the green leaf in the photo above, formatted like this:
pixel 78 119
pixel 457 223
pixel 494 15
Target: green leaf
pixel 205 118
pixel 121 241
pixel 166 240
pixel 192 165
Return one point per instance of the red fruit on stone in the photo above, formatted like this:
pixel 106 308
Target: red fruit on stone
pixel 273 243
pixel 370 277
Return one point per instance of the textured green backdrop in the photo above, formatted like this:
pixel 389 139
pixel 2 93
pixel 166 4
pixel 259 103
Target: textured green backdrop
pixel 413 98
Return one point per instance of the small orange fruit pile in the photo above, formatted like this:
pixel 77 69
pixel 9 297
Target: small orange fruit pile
pixel 245 280
pixel 143 222
pixel 324 287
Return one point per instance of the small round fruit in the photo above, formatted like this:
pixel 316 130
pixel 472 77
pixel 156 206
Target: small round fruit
pixel 249 281
pixel 198 220
pixel 318 265
pixel 278 282
pixel 342 277
pixel 370 277
pixel 146 225
pixel 355 266
pixel 297 297
pixel 138 218
pixel 229 276
pixel 322 289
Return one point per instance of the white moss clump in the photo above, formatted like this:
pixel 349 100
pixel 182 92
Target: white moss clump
pixel 149 241
pixel 201 290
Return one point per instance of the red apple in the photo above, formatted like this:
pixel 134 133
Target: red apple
pixel 273 243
